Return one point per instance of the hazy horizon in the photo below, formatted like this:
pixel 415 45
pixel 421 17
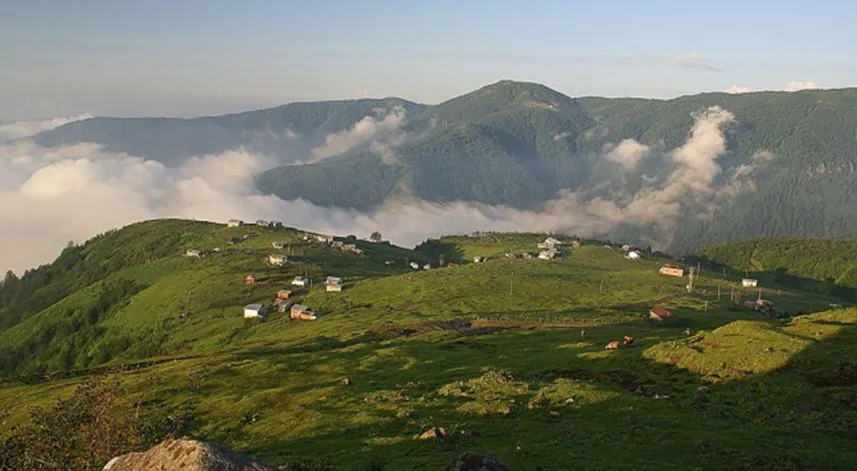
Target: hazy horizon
pixel 132 59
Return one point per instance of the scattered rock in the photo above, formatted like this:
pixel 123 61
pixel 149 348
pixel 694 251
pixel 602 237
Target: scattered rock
pixel 702 389
pixel 687 332
pixel 769 349
pixel 470 461
pixel 553 413
pixel 614 345
pixel 434 433
pixel 569 400
pixel 628 340
pixel 187 455
pixel 346 381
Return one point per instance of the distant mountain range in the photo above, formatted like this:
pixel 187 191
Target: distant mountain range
pixel 523 144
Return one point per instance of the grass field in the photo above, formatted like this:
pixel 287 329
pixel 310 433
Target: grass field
pixel 493 352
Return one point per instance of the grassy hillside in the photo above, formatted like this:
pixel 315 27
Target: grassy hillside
pixel 823 265
pixel 508 356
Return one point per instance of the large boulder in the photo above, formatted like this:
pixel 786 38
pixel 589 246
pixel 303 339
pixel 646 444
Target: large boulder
pixel 470 461
pixel 187 455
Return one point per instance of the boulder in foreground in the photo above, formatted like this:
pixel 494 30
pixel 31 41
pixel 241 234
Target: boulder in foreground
pixel 187 455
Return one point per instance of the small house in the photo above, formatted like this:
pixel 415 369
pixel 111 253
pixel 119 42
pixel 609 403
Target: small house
pixel 415 265
pixel 633 255
pixel 749 283
pixel 357 250
pixel 283 294
pixel 191 253
pixel 333 287
pixel 250 280
pixel 479 259
pixel 277 260
pixel 301 312
pixel 626 247
pixel 278 245
pixel 661 315
pixel 300 281
pixel 552 241
pixel 324 238
pixel 234 223
pixel 427 267
pixel 262 223
pixel 282 305
pixel 253 311
pixel 670 270
pixel 333 280
pixel 349 247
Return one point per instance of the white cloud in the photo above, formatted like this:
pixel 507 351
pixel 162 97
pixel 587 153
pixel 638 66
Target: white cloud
pixel 627 153
pixel 796 86
pixel 370 128
pixel 51 196
pixel 691 60
pixel 19 129
pixel 737 89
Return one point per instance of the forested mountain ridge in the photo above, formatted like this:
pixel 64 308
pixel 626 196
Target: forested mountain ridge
pixel 286 132
pixel 520 145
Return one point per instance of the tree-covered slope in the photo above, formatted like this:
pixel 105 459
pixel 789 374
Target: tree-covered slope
pixel 508 143
pixel 286 132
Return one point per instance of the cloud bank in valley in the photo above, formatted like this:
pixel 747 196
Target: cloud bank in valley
pixel 49 197
pixel 793 86
pixel 369 129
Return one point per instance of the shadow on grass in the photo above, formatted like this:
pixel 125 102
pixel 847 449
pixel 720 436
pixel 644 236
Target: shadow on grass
pixel 627 412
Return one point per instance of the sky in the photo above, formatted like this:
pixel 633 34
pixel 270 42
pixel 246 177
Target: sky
pixel 197 57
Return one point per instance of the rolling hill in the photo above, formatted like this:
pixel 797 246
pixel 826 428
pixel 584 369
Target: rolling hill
pixel 521 145
pixel 508 355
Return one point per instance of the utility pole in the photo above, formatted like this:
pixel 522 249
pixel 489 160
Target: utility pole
pixel 690 283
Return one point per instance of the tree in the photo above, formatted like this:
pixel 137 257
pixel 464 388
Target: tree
pixel 375 237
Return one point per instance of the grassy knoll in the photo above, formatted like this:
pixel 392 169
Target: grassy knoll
pixel 506 373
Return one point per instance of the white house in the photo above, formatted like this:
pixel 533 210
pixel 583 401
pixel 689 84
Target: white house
pixel 277 260
pixel 333 280
pixel 479 259
pixel 426 267
pixel 415 265
pixel 253 311
pixel 234 223
pixel 632 255
pixel 749 283
pixel 626 247
pixel 333 287
pixel 323 238
pixel 300 281
pixel 278 245
pixel 263 223
pixel 191 253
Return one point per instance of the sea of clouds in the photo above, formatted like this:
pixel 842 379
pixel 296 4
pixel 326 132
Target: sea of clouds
pixel 51 196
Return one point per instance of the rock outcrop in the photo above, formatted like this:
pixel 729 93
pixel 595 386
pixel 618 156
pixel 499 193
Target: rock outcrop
pixel 187 455
pixel 470 461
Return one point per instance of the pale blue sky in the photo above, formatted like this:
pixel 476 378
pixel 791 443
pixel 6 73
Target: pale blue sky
pixel 190 57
